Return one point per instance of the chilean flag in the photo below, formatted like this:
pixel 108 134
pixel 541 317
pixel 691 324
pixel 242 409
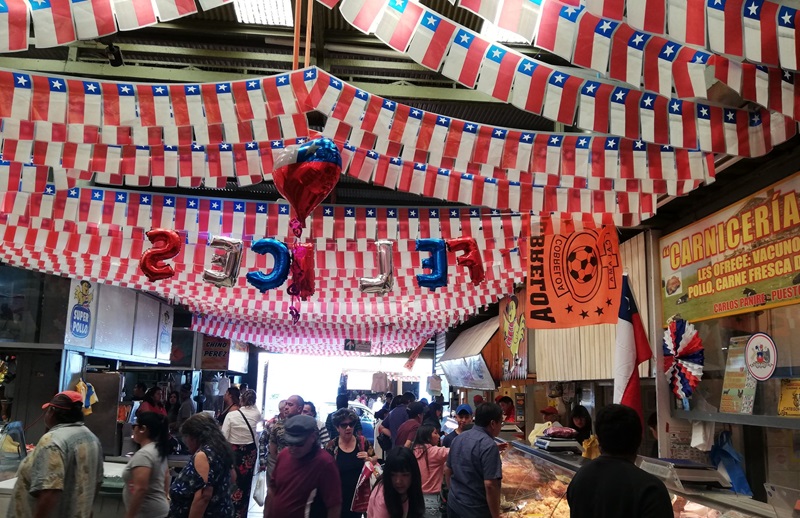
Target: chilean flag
pixel 14 22
pixel 430 41
pixel 497 72
pixel 632 348
pixel 398 24
pixel 463 62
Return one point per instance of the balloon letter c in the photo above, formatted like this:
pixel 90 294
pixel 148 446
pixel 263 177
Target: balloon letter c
pixel 280 252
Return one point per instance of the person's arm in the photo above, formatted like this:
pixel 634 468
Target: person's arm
pixel 226 427
pixel 46 503
pixel 492 488
pixel 408 443
pixel 385 431
pixel 140 480
pixel 273 455
pixel 447 474
pixel 202 496
pixel 166 482
pixel 263 450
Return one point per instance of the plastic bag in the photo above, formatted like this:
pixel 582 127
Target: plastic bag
pixel 380 382
pixel 260 493
pixel 363 490
pixel 727 459
pixel 434 385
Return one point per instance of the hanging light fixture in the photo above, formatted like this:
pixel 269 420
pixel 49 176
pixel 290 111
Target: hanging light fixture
pixel 264 12
pixel 492 32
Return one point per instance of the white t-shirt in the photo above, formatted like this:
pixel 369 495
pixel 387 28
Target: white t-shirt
pixel 235 429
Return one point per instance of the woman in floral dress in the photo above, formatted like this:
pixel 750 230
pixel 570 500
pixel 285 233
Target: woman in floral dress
pixel 203 487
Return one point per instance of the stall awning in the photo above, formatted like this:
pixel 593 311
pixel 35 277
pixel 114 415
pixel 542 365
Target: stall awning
pixel 471 341
pixel 463 364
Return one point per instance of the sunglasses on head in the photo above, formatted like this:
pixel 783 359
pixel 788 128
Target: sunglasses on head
pixel 347 425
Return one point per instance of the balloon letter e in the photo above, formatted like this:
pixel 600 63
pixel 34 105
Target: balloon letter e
pixel 437 263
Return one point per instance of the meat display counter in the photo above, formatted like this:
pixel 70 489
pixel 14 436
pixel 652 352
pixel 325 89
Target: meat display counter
pixel 535 485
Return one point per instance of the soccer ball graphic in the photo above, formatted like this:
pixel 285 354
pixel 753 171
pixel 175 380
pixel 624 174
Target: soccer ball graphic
pixel 582 264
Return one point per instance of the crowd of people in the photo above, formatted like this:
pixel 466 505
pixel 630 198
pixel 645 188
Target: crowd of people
pixel 318 469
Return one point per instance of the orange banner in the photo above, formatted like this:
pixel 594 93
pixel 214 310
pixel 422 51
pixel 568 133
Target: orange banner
pixel 573 280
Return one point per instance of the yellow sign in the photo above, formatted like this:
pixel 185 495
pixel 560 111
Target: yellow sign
pixel 789 404
pixel 740 259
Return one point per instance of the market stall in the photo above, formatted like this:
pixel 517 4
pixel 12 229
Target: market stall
pixel 535 484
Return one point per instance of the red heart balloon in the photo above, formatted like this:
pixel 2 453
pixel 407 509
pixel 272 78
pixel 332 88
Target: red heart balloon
pixel 307 174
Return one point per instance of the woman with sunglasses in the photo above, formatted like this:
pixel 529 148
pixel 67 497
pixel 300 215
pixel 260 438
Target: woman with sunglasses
pixel 350 450
pixel 146 476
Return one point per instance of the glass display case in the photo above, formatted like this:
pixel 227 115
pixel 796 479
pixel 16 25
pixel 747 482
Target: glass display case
pixel 535 485
pixel 12 449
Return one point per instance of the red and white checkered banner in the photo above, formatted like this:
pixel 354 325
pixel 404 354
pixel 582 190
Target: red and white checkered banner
pixel 475 62
pixel 242 313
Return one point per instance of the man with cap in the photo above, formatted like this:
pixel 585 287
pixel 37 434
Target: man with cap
pixel 408 430
pixel 63 474
pixel 463 418
pixel 474 469
pixel 293 407
pixel 305 481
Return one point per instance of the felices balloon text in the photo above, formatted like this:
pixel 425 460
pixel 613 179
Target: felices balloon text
pixel 299 261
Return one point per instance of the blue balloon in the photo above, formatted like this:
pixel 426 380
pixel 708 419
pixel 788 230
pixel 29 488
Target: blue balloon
pixel 319 150
pixel 280 271
pixel 437 263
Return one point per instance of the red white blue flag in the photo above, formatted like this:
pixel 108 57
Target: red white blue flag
pixel 632 348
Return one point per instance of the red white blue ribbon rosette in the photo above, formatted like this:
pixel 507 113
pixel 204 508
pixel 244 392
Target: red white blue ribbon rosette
pixel 683 358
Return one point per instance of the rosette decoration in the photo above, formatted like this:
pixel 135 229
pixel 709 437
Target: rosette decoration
pixel 683 358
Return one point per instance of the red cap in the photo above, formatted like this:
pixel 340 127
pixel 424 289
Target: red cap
pixel 478 399
pixel 549 410
pixel 64 400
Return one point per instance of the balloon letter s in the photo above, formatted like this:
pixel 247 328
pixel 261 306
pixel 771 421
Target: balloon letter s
pixel 167 245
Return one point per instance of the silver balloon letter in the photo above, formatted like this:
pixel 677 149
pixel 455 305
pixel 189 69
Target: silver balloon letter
pixel 384 282
pixel 229 261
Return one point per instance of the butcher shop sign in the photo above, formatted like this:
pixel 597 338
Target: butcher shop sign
pixel 743 258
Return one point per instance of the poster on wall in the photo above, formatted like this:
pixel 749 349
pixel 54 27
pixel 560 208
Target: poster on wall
pixel 514 336
pixel 165 331
pixel 789 403
pixel 82 313
pixel 573 280
pixel 743 258
pixel 739 386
